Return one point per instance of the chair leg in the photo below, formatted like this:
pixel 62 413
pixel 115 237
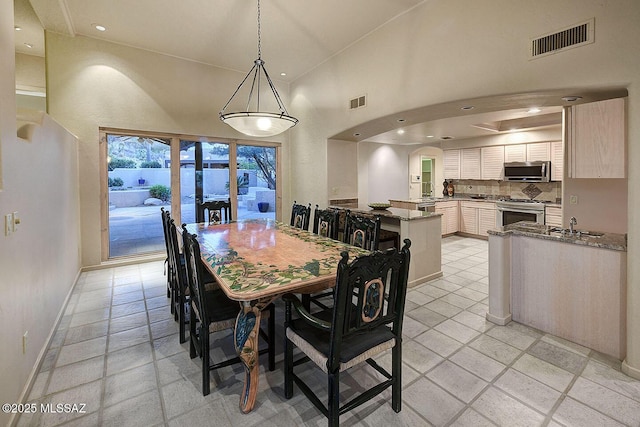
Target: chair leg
pixel 193 334
pixel 181 316
pixel 396 373
pixel 204 351
pixel 271 325
pixel 288 367
pixel 334 399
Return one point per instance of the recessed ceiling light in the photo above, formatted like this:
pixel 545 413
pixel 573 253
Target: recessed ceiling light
pixel 533 110
pixel 430 136
pixel 401 120
pixel 29 45
pixel 446 137
pixel 99 27
pixel 17 28
pixel 571 98
pixel 400 131
pixel 283 74
pixel 467 107
pixel 356 134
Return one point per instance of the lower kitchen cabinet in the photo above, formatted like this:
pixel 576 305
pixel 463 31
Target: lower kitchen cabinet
pixel 477 217
pixel 449 211
pixel 553 216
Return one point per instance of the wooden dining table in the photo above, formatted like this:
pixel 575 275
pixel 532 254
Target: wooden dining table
pixel 255 262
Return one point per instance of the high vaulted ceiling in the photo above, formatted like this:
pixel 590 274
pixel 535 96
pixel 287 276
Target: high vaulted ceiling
pixel 297 36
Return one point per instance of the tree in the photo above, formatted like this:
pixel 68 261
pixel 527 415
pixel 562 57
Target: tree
pixel 264 159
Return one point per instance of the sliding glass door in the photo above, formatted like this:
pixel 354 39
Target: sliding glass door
pixel 143 172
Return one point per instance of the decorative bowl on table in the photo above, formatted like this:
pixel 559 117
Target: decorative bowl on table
pixel 379 206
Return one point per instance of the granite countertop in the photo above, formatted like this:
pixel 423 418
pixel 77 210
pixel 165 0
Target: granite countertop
pixel 613 241
pixel 401 214
pixel 466 197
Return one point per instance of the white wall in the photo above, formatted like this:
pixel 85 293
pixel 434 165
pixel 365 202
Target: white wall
pixel 386 168
pixel 446 50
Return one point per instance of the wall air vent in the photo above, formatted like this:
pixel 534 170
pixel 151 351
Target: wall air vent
pixel 575 36
pixel 358 102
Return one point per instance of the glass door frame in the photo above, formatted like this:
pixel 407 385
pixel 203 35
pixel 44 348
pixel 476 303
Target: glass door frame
pixel 175 174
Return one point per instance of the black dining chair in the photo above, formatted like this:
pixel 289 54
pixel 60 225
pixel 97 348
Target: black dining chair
pixel 166 217
pixel 212 311
pixel 214 211
pixel 325 222
pixel 365 321
pixel 300 216
pixel 362 231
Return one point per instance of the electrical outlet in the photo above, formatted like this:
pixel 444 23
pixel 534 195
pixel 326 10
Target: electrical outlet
pixel 8 224
pixel 573 200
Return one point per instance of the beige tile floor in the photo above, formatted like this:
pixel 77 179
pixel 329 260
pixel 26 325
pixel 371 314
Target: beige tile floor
pixel 116 350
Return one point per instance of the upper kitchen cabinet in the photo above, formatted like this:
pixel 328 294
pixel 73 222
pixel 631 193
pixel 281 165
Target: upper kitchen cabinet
pixel 492 159
pixel 470 163
pixel 515 153
pixel 538 152
pixel 596 137
pixel 557 160
pixel 451 162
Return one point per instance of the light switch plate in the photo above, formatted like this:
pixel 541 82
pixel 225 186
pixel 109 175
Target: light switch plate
pixel 15 221
pixel 8 224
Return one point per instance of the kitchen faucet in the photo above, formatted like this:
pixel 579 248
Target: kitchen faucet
pixel 573 221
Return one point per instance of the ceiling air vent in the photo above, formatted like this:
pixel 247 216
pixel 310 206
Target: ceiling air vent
pixel 575 36
pixel 358 102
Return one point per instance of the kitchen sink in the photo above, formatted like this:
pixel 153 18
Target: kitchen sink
pixel 566 232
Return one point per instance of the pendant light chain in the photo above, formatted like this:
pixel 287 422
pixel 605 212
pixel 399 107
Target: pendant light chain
pixel 258 123
pixel 259 39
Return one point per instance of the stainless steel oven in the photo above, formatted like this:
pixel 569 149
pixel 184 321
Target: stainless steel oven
pixel 511 211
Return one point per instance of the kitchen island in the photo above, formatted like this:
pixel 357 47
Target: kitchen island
pixel 423 228
pixel 570 285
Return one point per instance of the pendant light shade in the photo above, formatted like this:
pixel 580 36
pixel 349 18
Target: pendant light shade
pixel 254 122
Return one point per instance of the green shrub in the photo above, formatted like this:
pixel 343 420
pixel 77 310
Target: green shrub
pixel 152 164
pixel 118 162
pixel 115 182
pixel 161 192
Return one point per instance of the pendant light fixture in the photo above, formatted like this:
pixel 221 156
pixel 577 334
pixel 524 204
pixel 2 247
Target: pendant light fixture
pixel 256 122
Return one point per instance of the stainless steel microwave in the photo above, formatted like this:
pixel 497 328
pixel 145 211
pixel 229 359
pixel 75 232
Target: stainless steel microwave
pixel 528 171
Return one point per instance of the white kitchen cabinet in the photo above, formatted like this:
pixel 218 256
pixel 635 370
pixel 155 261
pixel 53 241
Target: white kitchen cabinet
pixel 449 211
pixel 477 217
pixel 553 216
pixel 557 160
pixel 470 163
pixel 597 138
pixel 468 219
pixel 492 162
pixel 486 218
pixel 539 151
pixel 515 153
pixel 451 163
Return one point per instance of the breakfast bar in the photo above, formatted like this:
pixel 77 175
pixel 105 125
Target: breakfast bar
pixel 424 230
pixel 568 283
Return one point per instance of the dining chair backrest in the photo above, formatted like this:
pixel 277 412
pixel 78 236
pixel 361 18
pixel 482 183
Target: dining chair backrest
pixel 370 292
pixel 191 249
pixel 214 211
pixel 362 231
pixel 325 222
pixel 300 216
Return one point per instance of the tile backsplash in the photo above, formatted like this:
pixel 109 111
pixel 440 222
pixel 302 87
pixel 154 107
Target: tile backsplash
pixel 543 191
